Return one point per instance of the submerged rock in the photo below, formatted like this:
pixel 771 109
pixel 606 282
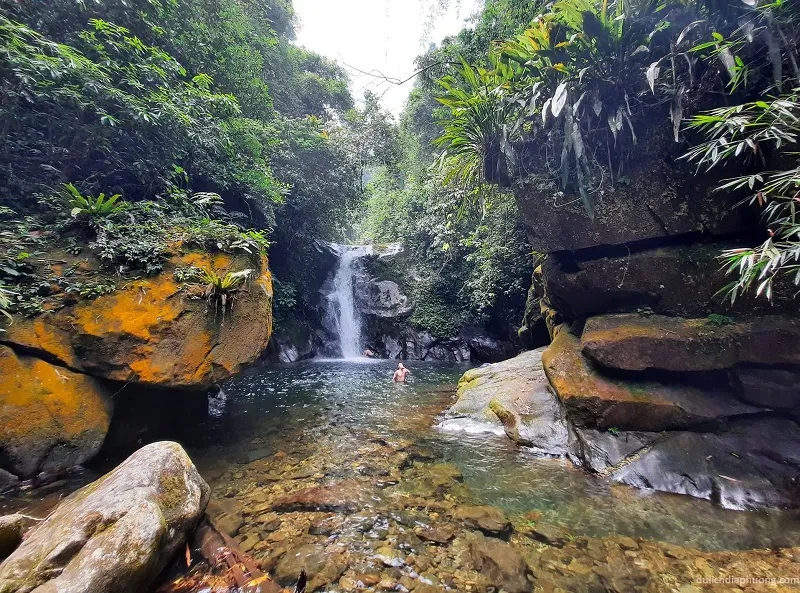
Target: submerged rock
pixel 499 563
pixel 517 394
pixel 52 418
pixel 597 401
pixel 490 520
pixel 116 534
pixel 639 342
pixel 151 332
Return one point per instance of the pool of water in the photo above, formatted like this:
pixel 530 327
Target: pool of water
pixel 323 411
pixel 286 408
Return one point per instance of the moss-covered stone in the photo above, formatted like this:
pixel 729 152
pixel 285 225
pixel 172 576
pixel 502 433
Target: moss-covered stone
pixel 118 533
pixel 152 332
pixel 593 399
pixel 636 342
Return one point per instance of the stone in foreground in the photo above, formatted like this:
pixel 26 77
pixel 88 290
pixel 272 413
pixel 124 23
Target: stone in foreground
pixel 116 534
pixel 517 394
pixel 752 464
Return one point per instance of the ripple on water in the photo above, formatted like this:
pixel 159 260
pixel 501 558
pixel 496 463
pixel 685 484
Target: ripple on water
pixel 342 404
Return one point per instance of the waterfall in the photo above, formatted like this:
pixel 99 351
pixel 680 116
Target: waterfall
pixel 345 315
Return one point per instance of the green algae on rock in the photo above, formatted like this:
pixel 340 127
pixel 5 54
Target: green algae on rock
pixel 116 534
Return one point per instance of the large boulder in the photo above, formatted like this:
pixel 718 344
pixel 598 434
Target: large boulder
pixel 153 332
pixel 52 418
pixel 753 463
pixel 382 298
pixel 680 280
pixel 639 342
pixel 657 199
pixel 516 394
pixel 595 400
pixel 116 534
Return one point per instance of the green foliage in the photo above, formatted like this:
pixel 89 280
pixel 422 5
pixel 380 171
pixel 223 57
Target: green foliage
pixel 5 304
pixel 719 320
pixel 475 135
pixel 284 302
pixel 584 80
pixel 745 132
pixel 220 291
pixel 433 310
pixel 92 207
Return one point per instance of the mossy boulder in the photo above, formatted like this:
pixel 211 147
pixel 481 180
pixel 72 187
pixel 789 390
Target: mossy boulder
pixel 593 399
pixel 154 332
pixel 52 418
pixel 116 534
pixel 633 342
pixel 515 394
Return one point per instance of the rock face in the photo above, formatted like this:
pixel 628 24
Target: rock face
pixel 742 467
pixel 516 394
pixel 595 400
pixel 636 343
pixel 52 418
pixel 153 333
pixel 116 534
pixel 660 198
pixel 680 280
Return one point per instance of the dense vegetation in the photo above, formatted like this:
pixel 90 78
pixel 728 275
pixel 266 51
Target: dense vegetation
pixel 202 116
pixel 132 125
pixel 567 100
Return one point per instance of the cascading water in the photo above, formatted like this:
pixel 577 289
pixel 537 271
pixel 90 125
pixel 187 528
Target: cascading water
pixel 345 315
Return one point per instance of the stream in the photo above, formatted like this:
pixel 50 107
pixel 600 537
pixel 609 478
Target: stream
pixel 318 465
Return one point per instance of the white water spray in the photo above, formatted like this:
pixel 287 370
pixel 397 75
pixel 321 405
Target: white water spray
pixel 348 322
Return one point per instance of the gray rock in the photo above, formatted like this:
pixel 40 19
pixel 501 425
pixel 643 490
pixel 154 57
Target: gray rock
pixel 681 280
pixel 7 480
pixel 382 298
pixel 12 528
pixel 516 394
pixel 755 463
pixel 116 534
pixel 597 451
pixel 660 200
pixel 771 388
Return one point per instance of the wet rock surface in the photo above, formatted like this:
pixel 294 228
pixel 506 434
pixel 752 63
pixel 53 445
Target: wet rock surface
pixel 595 400
pixel 425 534
pixel 517 395
pixel 634 342
pixel 116 534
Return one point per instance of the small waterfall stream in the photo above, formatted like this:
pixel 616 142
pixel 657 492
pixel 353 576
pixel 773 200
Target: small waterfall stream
pixel 343 310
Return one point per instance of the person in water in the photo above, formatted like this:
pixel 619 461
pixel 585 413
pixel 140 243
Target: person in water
pixel 400 374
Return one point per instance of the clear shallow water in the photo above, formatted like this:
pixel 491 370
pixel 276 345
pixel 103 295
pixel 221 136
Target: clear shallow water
pixel 332 408
pixel 272 408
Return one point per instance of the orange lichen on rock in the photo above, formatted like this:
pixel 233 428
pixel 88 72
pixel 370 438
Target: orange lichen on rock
pixel 596 400
pixel 53 418
pixel 152 332
pixel 40 337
